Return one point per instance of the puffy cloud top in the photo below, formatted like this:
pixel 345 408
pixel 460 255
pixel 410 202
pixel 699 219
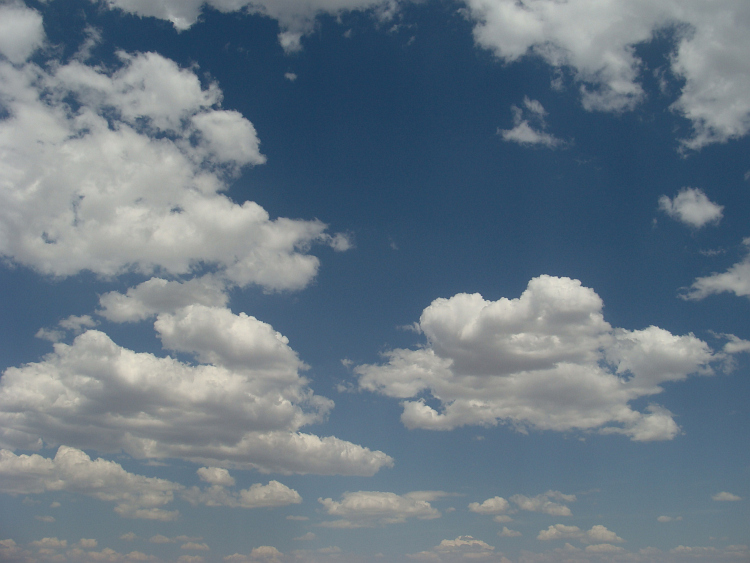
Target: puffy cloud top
pixel 547 359
pixel 691 207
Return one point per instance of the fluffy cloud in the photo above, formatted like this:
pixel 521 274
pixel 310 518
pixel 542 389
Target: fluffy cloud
pixel 128 176
pixel 494 505
pixel 547 359
pixel 245 410
pixel 371 508
pixel 543 503
pixel 72 470
pixel 257 496
pixel 158 295
pixel 735 280
pixel 596 41
pixel 523 132
pixel 463 547
pixel 691 207
pixel 21 32
pixel 596 535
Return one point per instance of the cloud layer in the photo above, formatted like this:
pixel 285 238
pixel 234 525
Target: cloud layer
pixel 547 360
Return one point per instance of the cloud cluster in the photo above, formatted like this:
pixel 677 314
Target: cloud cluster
pixel 372 508
pixel 257 496
pixel 72 470
pixel 119 170
pixel 596 535
pixel 242 407
pixel 597 40
pixel 462 548
pixel 547 360
pixel 524 131
pixel 691 207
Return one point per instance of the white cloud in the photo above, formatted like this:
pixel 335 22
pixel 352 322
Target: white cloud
pixel 596 535
pixel 596 41
pixel 691 207
pixel 493 505
pixel 735 280
pixel 507 533
pixel 195 546
pixel 131 179
pixel 72 470
pixel 547 360
pixel 523 132
pixel 542 503
pixel 21 32
pixel 462 548
pixel 257 496
pixel 216 476
pixel 724 496
pixel 290 76
pixel 244 411
pixel 306 537
pixel 665 519
pixel 371 508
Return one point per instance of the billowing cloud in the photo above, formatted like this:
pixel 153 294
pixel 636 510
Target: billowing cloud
pixel 735 280
pixel 123 171
pixel 691 207
pixel 72 470
pixel 244 410
pixel 371 508
pixel 596 535
pixel 273 494
pixel 524 131
pixel 547 360
pixel 597 40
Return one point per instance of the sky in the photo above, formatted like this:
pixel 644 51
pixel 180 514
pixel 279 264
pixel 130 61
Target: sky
pixel 374 281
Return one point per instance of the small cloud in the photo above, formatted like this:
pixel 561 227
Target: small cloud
pixel 195 546
pixel 88 543
pixel 55 505
pixel 664 519
pixel 158 538
pixel 307 537
pixel 130 536
pixel 290 76
pixel 290 41
pixel 691 207
pixel 45 518
pixel 724 496
pixel 298 518
pixel 506 533
pixel 523 132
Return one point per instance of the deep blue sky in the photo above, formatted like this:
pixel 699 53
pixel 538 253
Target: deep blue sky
pixel 398 133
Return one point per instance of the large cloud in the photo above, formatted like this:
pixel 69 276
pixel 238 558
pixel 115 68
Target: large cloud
pixel 547 359
pixel 244 409
pixel 596 41
pixel 116 171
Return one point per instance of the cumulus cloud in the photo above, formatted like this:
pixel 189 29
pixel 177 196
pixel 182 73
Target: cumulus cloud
pixel 546 360
pixel 463 547
pixel 266 496
pixel 596 535
pixel 244 409
pixel 507 533
pixel 371 508
pixel 724 496
pixel 596 41
pixel 128 177
pixel 72 470
pixel 158 295
pixel 21 32
pixel 545 503
pixel 494 505
pixel 691 207
pixel 735 280
pixel 524 123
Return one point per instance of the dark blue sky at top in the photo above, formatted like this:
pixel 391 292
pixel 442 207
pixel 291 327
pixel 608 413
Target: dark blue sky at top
pixel 391 135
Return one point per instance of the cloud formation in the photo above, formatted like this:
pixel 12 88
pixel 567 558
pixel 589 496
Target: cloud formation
pixel 735 280
pixel 123 171
pixel 523 131
pixel 546 360
pixel 691 207
pixel 372 508
pixel 243 407
pixel 596 535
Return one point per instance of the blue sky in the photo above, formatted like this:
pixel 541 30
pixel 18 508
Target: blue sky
pixel 356 280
